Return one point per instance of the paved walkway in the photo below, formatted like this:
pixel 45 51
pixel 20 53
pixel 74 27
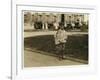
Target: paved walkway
pixel 34 33
pixel 33 59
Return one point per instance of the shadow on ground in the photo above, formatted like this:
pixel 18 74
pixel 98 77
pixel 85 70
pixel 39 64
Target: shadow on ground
pixel 76 46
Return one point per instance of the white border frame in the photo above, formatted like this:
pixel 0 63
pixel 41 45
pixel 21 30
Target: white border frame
pixel 18 72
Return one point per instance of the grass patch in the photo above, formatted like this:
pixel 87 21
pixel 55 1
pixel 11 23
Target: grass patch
pixel 76 46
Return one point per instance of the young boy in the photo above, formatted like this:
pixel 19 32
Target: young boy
pixel 60 40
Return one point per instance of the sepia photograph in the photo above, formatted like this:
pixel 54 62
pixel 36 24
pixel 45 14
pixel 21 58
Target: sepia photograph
pixel 55 38
pixel 53 41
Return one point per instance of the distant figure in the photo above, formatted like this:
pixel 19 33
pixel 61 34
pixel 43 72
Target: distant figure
pixel 77 24
pixel 73 25
pixel 55 24
pixel 60 40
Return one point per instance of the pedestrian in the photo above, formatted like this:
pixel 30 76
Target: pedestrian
pixel 60 41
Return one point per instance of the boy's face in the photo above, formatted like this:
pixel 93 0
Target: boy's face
pixel 62 27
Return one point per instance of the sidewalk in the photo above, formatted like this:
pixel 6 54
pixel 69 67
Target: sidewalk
pixel 34 59
pixel 34 33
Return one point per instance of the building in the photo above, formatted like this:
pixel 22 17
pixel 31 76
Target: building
pixel 47 20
